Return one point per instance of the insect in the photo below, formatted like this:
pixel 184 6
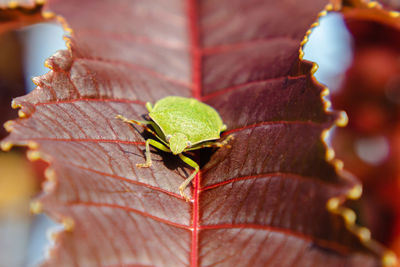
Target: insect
pixel 181 124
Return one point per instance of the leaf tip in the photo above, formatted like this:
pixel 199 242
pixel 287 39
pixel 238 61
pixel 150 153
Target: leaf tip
pixel 67 42
pixel 48 14
pixel 36 81
pixel 34 155
pixel 305 40
pixel 325 92
pixel 325 134
pixel 329 154
pixel 12 4
pixel 8 126
pixel 60 61
pixel 327 104
pixel 36 207
pixel 338 164
pixel 22 114
pixel 32 145
pixel 314 68
pixel 349 216
pixel 64 25
pixel 68 223
pixel 389 259
pixel 374 4
pixel 323 13
pixel 329 7
pixel 14 104
pixel 333 204
pixel 394 14
pixel 50 174
pixel 355 192
pixel 342 120
pixel 364 233
pixel 6 146
pixel 301 53
pixel 48 65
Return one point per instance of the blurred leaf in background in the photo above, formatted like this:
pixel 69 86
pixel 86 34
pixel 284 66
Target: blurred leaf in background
pixel 370 94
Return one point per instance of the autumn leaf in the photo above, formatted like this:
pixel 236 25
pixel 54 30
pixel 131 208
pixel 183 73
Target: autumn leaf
pixel 272 198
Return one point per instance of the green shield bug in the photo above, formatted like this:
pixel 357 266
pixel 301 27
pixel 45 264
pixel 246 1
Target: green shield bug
pixel 181 124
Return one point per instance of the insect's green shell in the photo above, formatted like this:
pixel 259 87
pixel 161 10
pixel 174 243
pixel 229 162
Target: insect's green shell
pixel 198 121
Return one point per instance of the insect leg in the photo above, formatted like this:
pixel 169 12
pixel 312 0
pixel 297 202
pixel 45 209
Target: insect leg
pixel 149 107
pixel 158 133
pixel 224 143
pixel 148 155
pixel 185 183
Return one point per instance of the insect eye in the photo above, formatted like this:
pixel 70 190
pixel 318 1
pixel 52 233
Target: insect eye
pixel 168 137
pixel 189 144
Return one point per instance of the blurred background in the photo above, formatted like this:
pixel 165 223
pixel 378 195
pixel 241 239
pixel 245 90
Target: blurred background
pixel 365 83
pixel 23 235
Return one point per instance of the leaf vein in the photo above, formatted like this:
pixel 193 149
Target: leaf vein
pixel 261 176
pixel 91 100
pixel 129 181
pixel 128 209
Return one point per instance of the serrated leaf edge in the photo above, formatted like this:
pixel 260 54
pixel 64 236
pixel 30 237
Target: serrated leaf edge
pixel 334 205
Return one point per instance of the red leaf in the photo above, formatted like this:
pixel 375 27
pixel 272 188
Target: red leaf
pixel 261 202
